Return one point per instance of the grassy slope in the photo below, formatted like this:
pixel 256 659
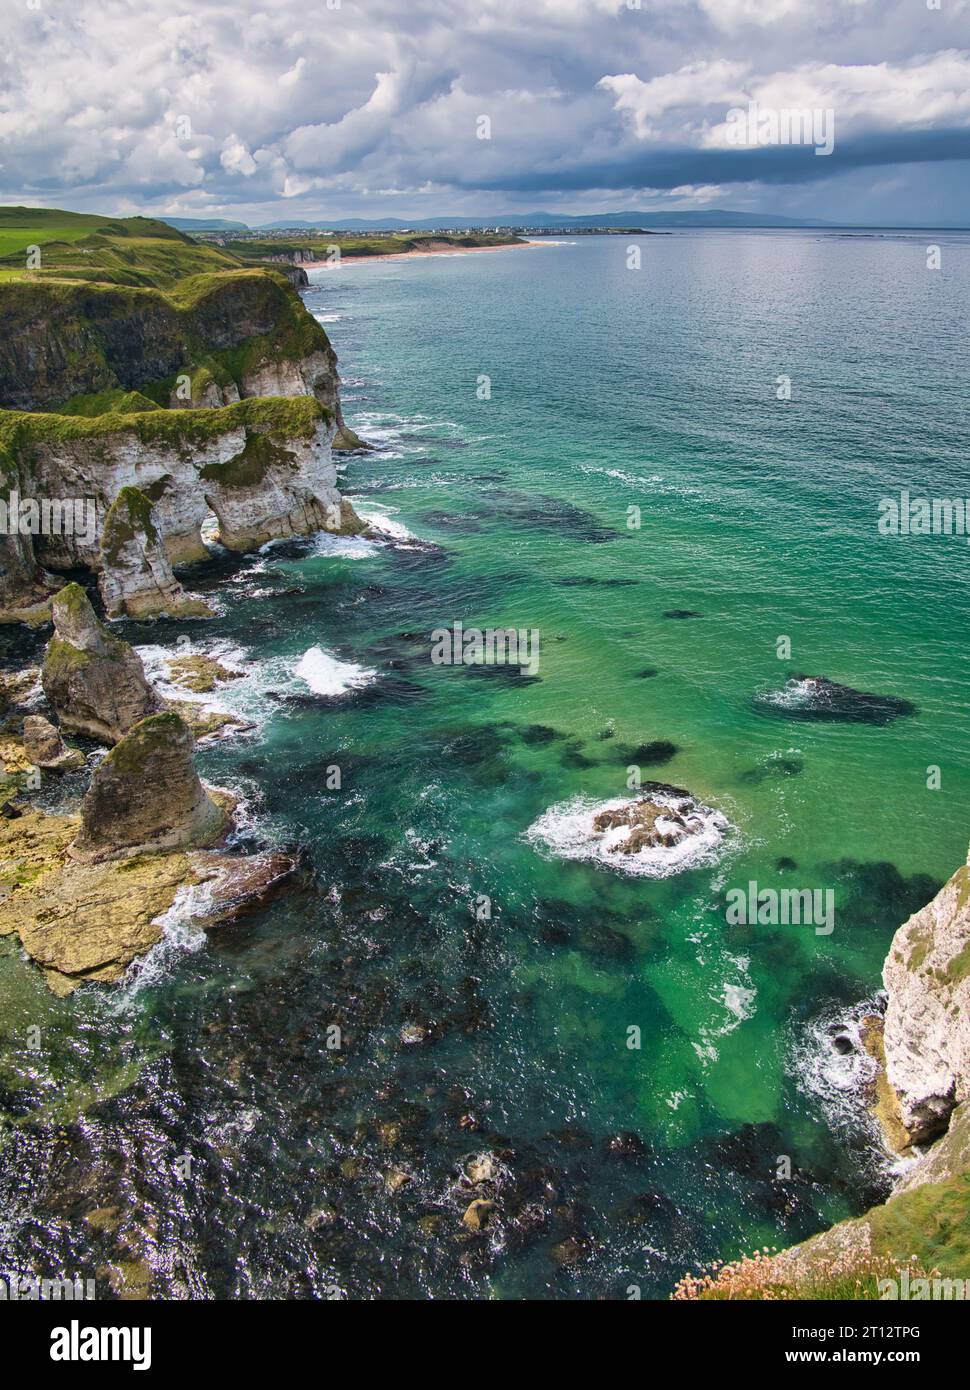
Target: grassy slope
pixel 136 251
pixel 128 262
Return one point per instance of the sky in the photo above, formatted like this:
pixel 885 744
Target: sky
pixel 310 109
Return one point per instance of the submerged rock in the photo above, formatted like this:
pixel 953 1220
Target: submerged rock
pixel 46 749
pixel 817 697
pixel 93 680
pixel 146 796
pixel 478 1214
pixel 136 578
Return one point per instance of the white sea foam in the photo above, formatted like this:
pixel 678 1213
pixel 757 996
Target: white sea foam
pixel 326 675
pixel 838 1079
pixel 181 935
pixel 794 695
pixel 344 547
pixel 566 831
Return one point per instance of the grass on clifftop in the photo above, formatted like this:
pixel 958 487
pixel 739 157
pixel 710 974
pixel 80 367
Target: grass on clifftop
pixel 136 251
pixel 285 417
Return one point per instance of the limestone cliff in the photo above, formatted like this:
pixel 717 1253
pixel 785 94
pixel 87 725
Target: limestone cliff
pixel 927 1029
pixel 262 467
pixel 136 578
pixel 207 392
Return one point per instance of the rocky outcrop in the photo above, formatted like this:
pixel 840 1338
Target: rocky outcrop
pixel 94 681
pixel 652 824
pixel 46 749
pixel 136 578
pixel 921 1096
pixel 927 1028
pixel 146 796
pixel 84 922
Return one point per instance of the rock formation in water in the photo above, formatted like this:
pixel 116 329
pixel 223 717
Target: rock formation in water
pixel 817 697
pixel 652 824
pixel 146 796
pixel 93 680
pixel 88 896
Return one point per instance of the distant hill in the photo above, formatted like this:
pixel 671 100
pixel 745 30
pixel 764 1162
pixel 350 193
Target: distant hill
pixel 204 224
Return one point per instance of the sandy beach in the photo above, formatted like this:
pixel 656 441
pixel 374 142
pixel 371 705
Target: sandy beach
pixel 443 248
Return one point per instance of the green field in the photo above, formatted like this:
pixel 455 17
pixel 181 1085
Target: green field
pixel 135 251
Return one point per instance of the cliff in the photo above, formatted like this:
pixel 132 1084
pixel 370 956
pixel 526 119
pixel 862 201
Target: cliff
pixel 922 1093
pixel 147 362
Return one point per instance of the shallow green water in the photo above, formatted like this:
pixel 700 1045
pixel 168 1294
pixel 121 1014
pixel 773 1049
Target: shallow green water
pixel 610 388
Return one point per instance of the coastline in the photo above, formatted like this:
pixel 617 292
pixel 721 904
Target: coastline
pixel 444 250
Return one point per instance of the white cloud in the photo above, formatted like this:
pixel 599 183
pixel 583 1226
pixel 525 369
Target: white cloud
pixel 236 159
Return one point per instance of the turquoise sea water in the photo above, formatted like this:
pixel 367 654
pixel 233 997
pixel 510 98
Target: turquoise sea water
pixel 610 388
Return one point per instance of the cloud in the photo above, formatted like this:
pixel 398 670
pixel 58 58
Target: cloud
pixel 220 106
pixel 236 159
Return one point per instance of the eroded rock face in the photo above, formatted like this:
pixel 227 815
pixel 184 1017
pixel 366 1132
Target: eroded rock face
pixel 136 578
pixel 146 796
pixel 93 680
pixel 46 749
pixel 927 1027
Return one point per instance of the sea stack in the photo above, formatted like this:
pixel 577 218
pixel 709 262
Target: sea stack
pixel 136 578
pixel 146 796
pixel 94 681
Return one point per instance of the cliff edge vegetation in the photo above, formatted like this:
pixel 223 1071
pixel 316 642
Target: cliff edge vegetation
pixel 132 356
